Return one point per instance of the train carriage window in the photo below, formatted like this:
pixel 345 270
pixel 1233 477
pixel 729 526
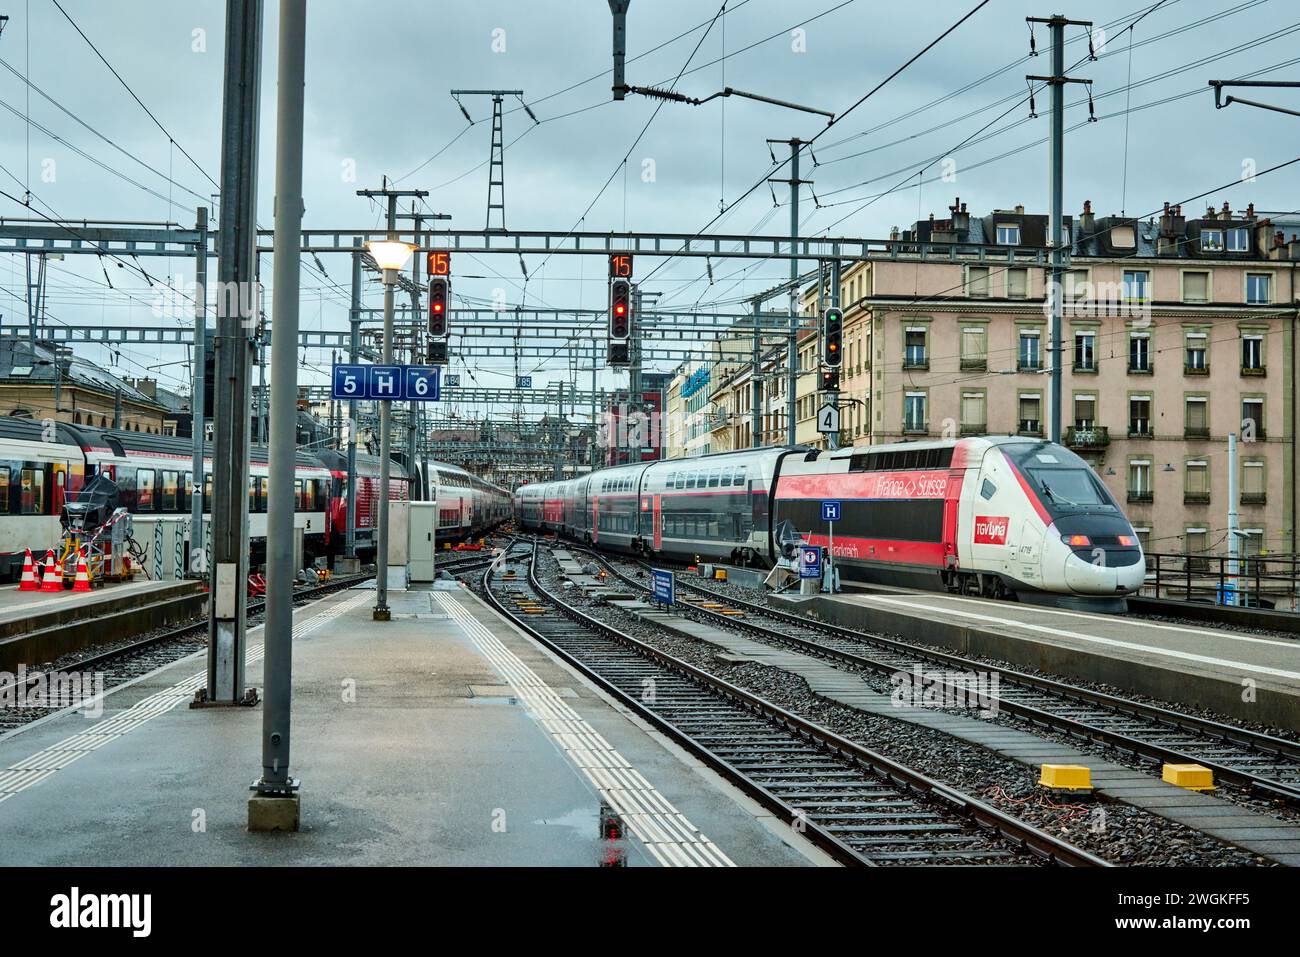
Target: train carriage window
pixel 33 492
pixel 988 490
pixel 298 500
pixel 4 490
pixel 262 484
pixel 713 477
pixel 170 481
pixel 690 480
pixel 207 491
pixel 252 493
pixel 668 482
pixel 187 493
pixel 145 480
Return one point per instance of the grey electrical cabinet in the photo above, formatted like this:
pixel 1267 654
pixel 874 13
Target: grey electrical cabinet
pixel 423 530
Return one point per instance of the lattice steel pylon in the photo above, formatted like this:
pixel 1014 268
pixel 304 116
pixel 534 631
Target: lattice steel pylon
pixel 496 198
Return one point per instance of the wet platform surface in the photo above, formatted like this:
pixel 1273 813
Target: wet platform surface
pixel 443 737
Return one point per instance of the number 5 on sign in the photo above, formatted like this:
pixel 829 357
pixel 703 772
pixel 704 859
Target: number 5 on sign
pixel 422 383
pixel 349 382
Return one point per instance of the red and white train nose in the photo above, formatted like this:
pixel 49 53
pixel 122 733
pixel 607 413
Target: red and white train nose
pixel 1086 568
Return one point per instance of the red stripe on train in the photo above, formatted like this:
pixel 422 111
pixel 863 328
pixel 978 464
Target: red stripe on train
pixel 920 484
pixel 930 554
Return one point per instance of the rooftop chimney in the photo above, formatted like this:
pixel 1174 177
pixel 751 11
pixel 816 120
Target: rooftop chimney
pixel 1020 210
pixel 960 218
pixel 1227 210
pixel 1250 211
pixel 1088 222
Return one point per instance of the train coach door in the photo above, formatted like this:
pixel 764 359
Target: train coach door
pixel 595 520
pixel 657 518
pixel 951 507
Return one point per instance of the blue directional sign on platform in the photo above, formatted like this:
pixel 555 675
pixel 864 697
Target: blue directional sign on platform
pixel 663 586
pixel 392 383
pixel 830 511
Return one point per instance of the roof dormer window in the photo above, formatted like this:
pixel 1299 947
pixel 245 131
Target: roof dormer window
pixel 1008 234
pixel 1123 237
pixel 1212 240
pixel 1239 239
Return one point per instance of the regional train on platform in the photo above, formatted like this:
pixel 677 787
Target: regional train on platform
pixel 995 516
pixel 42 468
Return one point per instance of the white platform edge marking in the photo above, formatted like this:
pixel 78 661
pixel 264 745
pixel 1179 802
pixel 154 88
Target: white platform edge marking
pixel 44 763
pixel 1113 642
pixel 666 833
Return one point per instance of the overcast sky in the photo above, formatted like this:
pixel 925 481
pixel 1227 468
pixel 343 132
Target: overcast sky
pixel 378 104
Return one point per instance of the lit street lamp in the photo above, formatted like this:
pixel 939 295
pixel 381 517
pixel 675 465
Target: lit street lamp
pixel 390 255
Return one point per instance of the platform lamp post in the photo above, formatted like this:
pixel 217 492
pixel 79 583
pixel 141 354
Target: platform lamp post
pixel 391 255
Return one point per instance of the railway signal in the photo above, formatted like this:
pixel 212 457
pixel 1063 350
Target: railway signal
pixel 437 355
pixel 620 320
pixel 439 299
pixel 832 338
pixel 830 380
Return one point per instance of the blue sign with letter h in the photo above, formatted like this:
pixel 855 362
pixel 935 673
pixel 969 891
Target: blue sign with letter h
pixel 830 511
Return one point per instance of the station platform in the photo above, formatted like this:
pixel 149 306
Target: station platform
pixel 37 627
pixel 444 737
pixel 1202 667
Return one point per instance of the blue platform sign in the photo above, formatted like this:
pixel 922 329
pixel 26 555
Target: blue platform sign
pixel 383 382
pixel 349 382
pixel 662 586
pixel 422 383
pixel 830 511
pixel 810 561
pixel 393 383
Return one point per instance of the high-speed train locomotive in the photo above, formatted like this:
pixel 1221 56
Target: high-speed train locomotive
pixel 997 516
pixel 44 466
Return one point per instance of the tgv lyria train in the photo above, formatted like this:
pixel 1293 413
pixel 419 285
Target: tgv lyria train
pixel 992 516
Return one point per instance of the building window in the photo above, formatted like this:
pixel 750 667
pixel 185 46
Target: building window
pixel 1139 352
pixel 1122 237
pixel 1211 240
pixel 974 350
pixel 1197 360
pixel 1017 283
pixel 1195 546
pixel 1196 287
pixel 1238 239
pixel 1085 411
pixel 1030 356
pixel 1252 419
pixel 1139 481
pixel 977 281
pixel 1144 538
pixel 1252 354
pixel 1008 235
pixel 1253 489
pixel 1259 288
pixel 1031 414
pixel 974 420
pixel 1077 285
pixel 914 412
pixel 1085 351
pixel 1197 424
pixel 914 350
pixel 1137 285
pixel 1139 416
pixel 1196 491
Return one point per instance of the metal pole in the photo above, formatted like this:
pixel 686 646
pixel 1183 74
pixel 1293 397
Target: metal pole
pixel 755 388
pixel 833 439
pixel 280 570
pixel 354 346
pixel 1234 549
pixel 197 398
pixel 792 359
pixel 381 610
pixel 236 270
pixel 1055 292
pixel 634 382
pixel 261 387
pixel 416 484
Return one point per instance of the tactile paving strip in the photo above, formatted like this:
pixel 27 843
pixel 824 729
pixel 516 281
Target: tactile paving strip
pixel 666 833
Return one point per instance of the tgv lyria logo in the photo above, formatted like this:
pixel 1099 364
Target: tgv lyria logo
pixel 991 529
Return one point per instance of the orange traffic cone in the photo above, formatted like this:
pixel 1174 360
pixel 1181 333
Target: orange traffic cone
pixel 53 580
pixel 29 582
pixel 83 573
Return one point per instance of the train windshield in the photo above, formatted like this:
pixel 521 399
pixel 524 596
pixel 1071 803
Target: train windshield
pixel 1070 488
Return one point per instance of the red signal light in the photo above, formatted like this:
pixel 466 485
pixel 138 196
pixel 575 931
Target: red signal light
pixel 1127 540
pixel 1078 541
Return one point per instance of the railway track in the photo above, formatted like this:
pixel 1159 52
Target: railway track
pixel 859 806
pixel 125 662
pixel 1264 765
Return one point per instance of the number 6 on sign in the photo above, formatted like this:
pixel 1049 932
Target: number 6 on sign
pixel 422 383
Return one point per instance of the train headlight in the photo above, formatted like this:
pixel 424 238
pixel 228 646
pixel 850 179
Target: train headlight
pixel 1128 541
pixel 1076 541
